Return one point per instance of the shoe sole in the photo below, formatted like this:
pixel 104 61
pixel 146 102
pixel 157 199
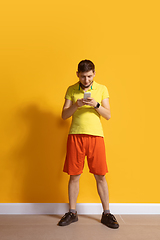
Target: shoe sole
pixel 66 224
pixel 111 226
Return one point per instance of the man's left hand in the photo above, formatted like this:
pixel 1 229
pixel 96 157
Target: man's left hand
pixel 90 101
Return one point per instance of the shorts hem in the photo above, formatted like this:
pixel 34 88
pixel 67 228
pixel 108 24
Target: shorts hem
pixel 100 174
pixel 72 174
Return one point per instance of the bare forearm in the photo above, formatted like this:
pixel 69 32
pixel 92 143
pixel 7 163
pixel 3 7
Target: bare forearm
pixel 104 112
pixel 68 112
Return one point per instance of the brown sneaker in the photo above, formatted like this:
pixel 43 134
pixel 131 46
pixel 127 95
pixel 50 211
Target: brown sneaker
pixel 68 218
pixel 109 220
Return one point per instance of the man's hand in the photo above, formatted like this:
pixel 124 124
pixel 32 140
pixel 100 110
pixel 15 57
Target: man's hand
pixel 80 102
pixel 90 101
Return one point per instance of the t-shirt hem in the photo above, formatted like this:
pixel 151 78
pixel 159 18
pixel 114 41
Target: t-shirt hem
pixel 92 134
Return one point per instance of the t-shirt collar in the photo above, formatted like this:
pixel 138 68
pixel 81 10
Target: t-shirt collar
pixel 93 86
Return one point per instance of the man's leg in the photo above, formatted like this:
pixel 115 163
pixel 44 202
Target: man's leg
pixel 102 189
pixel 73 190
pixel 107 218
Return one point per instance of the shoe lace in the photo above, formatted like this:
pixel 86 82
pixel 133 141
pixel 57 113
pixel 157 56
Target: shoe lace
pixel 67 214
pixel 112 217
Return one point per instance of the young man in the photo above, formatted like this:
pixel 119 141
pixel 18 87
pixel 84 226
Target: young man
pixel 86 139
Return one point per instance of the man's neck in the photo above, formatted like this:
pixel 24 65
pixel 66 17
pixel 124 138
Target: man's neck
pixel 85 88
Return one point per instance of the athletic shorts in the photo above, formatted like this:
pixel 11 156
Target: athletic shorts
pixel 81 145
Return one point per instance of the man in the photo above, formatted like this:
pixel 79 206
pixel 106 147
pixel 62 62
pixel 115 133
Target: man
pixel 86 139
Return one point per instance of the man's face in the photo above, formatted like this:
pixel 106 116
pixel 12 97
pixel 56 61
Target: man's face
pixel 86 77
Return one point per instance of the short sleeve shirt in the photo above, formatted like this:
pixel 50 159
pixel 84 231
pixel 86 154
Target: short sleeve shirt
pixel 86 120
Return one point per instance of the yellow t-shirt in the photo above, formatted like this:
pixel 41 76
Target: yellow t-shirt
pixel 86 120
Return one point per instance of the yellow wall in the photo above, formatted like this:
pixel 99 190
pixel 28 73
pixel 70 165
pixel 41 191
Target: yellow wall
pixel 41 44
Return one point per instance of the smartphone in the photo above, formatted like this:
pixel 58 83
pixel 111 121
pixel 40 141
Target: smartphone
pixel 87 95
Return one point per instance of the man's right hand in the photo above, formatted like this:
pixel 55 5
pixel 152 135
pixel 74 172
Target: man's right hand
pixel 80 102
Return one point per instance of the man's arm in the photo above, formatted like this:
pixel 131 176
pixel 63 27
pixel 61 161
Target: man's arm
pixel 69 108
pixel 103 110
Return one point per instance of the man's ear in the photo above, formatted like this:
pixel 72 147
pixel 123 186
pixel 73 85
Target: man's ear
pixel 94 73
pixel 77 74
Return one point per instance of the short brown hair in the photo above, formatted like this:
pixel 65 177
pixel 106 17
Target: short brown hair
pixel 86 66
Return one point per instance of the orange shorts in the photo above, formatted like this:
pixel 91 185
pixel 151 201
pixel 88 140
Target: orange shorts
pixel 81 145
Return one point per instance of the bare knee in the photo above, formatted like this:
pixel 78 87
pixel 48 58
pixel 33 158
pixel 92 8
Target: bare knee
pixel 74 178
pixel 100 178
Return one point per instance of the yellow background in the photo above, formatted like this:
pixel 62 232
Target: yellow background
pixel 41 43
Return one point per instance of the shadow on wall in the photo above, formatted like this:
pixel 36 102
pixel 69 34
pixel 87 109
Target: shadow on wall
pixel 40 156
